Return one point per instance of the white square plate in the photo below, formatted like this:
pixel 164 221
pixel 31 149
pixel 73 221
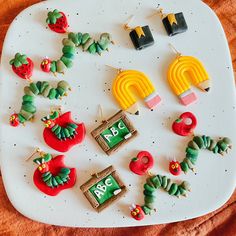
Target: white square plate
pixel 91 81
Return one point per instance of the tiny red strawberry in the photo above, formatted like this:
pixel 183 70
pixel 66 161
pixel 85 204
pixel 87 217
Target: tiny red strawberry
pixel 57 21
pixel 22 66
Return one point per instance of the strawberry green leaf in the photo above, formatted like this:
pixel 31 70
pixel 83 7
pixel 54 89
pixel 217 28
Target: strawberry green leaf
pixel 25 62
pixel 17 56
pixel 134 159
pixel 53 20
pixel 55 11
pixel 17 63
pixel 58 15
pixel 12 61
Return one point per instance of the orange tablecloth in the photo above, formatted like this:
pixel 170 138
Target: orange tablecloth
pixel 220 222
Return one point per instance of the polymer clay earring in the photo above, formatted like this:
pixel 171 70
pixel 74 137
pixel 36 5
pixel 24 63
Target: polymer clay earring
pixel 57 21
pixel 153 182
pixel 43 88
pixel 22 66
pixel 122 87
pixel 173 23
pixel 103 189
pixel 70 44
pixel 184 71
pixel 198 143
pixel 51 175
pixel 185 124
pixel 61 132
pixel 193 148
pixel 114 132
pixel 140 36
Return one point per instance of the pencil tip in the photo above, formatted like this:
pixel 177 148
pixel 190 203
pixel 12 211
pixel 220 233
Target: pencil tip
pixel 207 89
pixel 137 113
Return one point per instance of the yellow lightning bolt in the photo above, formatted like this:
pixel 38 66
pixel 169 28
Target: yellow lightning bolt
pixel 172 19
pixel 139 31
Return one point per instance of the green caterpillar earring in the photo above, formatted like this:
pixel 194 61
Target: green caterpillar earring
pixel 70 44
pixel 203 142
pixel 43 88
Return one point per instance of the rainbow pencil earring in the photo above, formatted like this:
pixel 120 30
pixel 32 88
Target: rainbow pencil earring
pixel 125 81
pixel 184 71
pixel 140 36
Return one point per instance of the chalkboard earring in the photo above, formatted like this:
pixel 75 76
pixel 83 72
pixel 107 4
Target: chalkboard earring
pixel 141 36
pixel 153 183
pixel 51 175
pixel 184 71
pixel 61 132
pixel 122 88
pixel 114 132
pixel 103 189
pixel 173 23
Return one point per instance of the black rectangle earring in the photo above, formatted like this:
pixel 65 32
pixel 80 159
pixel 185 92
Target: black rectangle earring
pixel 175 23
pixel 140 36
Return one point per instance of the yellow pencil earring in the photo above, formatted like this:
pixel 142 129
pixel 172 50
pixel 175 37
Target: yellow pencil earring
pixel 128 80
pixel 184 71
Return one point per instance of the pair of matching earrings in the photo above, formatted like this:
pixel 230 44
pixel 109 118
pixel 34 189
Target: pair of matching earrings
pixel 183 72
pixel 142 36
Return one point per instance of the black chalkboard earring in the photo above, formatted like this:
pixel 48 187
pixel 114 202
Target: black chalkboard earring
pixel 174 23
pixel 141 36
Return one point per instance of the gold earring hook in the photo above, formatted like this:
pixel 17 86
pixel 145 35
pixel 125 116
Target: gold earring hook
pixel 126 26
pixel 175 50
pixel 38 150
pixel 119 70
pixel 159 11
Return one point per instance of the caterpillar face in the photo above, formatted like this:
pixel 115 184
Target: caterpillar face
pixel 14 121
pixel 49 123
pixel 174 168
pixel 43 168
pixel 137 212
pixel 46 65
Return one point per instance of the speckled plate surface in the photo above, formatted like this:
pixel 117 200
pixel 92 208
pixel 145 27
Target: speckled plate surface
pixel 91 80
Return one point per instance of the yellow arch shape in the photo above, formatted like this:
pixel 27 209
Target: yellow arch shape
pixel 140 82
pixel 178 79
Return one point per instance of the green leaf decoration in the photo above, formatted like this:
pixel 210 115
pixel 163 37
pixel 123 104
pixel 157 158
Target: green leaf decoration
pixel 39 159
pixel 53 16
pixel 11 61
pixel 134 159
pixel 17 63
pixel 18 60
pixel 47 157
pixel 179 120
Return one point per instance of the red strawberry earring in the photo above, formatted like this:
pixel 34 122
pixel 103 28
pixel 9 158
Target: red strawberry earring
pixel 57 21
pixel 23 66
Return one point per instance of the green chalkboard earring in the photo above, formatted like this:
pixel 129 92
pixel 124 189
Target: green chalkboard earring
pixel 113 133
pixel 103 189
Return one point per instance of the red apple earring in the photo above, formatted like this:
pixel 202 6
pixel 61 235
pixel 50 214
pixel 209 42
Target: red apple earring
pixel 185 124
pixel 61 132
pixel 51 175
